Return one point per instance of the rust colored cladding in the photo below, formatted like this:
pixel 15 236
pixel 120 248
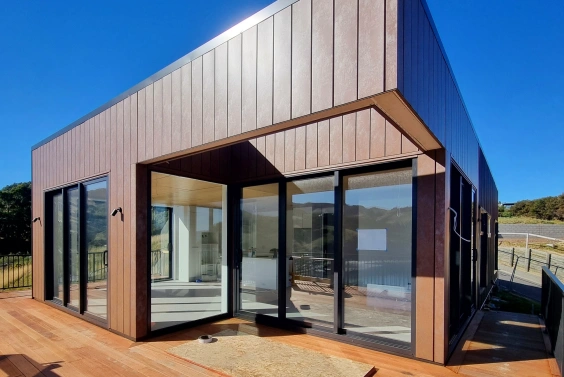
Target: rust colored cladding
pixel 303 60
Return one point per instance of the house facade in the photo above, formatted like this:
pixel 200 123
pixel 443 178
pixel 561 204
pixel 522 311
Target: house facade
pixel 314 168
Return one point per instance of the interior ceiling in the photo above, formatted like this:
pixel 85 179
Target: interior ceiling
pixel 171 190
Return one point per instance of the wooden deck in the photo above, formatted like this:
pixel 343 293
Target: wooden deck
pixel 36 339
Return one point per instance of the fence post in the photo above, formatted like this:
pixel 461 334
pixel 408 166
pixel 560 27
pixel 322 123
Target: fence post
pixel 512 256
pixel 529 260
pixel 548 260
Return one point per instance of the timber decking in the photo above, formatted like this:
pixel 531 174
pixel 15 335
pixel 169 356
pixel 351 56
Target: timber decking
pixel 36 339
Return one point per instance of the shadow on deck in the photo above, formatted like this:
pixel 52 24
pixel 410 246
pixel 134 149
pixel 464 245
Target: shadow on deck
pixel 36 339
pixel 503 344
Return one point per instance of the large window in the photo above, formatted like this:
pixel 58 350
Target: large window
pixel 377 254
pixel 188 250
pixel 259 248
pixel 310 250
pixel 96 246
pixel 78 264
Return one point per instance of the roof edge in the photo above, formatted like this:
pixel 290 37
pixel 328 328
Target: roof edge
pixel 246 24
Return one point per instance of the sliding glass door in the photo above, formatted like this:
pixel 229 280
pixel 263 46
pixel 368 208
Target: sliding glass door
pixel 347 249
pixel 258 285
pixel 96 248
pixel 310 207
pixel 188 250
pixel 57 248
pixel 377 254
pixel 78 265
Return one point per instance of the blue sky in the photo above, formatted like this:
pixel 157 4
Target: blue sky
pixel 60 60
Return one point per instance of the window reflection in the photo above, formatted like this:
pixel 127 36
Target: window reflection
pixel 259 246
pixel 310 251
pixel 377 226
pixel 188 252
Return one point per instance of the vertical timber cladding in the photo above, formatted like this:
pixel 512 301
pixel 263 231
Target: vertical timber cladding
pixel 305 149
pixel 426 81
pixel 268 73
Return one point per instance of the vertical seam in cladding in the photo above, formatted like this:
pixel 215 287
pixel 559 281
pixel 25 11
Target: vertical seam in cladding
pixel 291 56
pixel 332 73
pixel 384 58
pixel 242 40
pixel 256 79
pixel 272 82
pixel 357 54
pixel 227 89
pixel 310 58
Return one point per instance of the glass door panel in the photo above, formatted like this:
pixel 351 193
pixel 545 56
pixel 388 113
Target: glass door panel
pixel 96 248
pixel 377 254
pixel 259 248
pixel 310 228
pixel 161 245
pixel 58 274
pixel 73 213
pixel 188 252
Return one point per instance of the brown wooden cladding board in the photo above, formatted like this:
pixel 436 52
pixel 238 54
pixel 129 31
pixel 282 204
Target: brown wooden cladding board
pixel 306 58
pixel 277 70
pixel 305 149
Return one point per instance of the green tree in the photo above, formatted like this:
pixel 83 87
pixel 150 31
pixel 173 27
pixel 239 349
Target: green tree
pixel 15 218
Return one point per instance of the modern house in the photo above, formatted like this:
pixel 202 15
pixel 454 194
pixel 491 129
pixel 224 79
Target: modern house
pixel 314 168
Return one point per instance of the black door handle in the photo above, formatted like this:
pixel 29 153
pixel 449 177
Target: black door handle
pixel 106 258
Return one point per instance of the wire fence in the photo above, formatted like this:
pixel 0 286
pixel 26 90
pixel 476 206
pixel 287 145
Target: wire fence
pixel 15 271
pixel 531 261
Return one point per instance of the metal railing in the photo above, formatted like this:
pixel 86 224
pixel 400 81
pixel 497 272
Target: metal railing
pixel 15 271
pixel 552 303
pixel 311 267
pixel 160 265
pixel 97 266
pixel 359 273
pixel 531 261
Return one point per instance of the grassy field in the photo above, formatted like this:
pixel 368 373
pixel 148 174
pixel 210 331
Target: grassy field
pixel 526 220
pixel 15 275
pixel 509 302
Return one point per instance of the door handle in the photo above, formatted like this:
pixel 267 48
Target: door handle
pixel 106 258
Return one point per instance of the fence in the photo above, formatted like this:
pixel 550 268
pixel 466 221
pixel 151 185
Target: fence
pixel 15 271
pixel 360 273
pixel 160 265
pixel 531 261
pixel 552 303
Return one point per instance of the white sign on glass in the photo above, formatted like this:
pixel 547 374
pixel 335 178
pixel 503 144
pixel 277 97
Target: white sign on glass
pixel 372 239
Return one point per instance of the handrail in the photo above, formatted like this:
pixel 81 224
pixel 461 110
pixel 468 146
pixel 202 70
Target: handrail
pixel 554 279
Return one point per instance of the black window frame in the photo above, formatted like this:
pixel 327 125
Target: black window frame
pixel 48 249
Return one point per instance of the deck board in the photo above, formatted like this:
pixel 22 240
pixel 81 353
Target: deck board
pixel 36 340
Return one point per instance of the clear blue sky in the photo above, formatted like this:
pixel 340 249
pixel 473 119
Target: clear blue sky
pixel 60 60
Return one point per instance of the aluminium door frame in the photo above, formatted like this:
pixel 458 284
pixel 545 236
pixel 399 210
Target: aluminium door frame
pixel 337 331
